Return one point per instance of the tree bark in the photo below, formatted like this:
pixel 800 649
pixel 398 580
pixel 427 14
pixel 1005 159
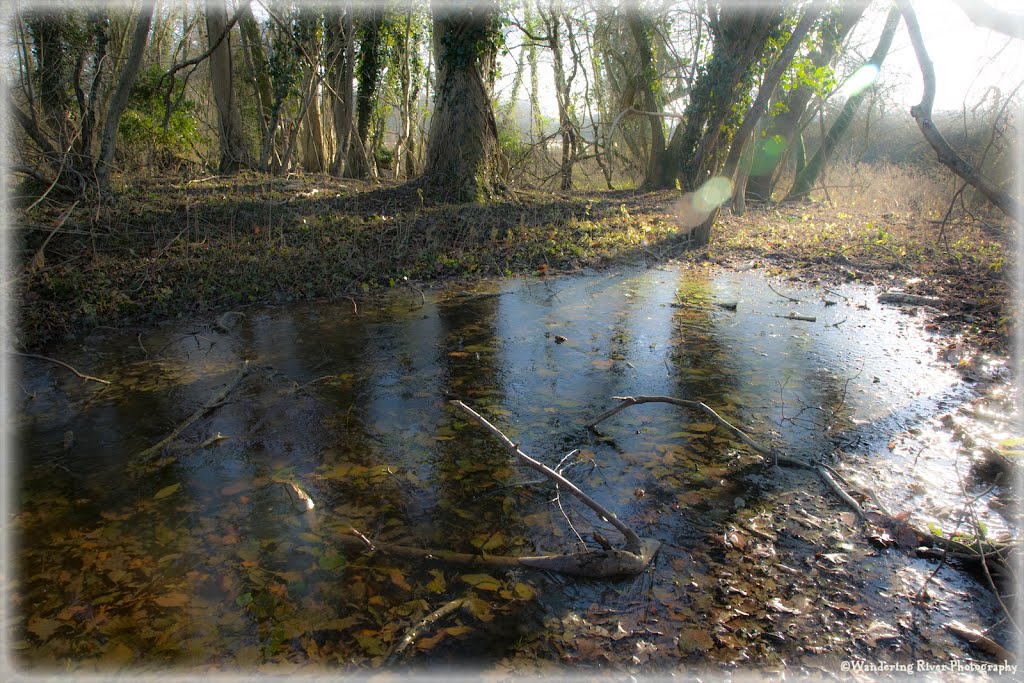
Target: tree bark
pixel 741 36
pixel 781 131
pixel 764 93
pixel 233 152
pixel 120 98
pixel 807 178
pixel 660 173
pixel 462 145
pixel 922 113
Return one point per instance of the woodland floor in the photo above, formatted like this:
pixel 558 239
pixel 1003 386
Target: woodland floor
pixel 168 247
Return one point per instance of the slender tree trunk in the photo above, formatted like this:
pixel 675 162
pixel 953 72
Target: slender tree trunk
pixel 343 105
pixel 252 44
pixel 741 37
pixel 780 131
pixel 233 152
pixel 760 104
pixel 807 178
pixel 120 98
pixel 660 173
pixel 462 145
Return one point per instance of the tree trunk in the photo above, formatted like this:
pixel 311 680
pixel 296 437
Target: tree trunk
pixel 780 131
pixel 252 43
pixel 660 172
pixel 368 76
pixel 233 152
pixel 764 93
pixel 462 145
pixel 806 179
pixel 343 104
pixel 741 36
pixel 120 98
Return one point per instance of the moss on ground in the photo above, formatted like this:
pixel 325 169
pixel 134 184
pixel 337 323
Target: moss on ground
pixel 166 247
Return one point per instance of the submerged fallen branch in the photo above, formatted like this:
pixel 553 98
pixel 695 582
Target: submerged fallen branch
pixel 982 642
pixel 590 564
pixel 633 559
pixel 423 624
pixel 62 364
pixel 214 401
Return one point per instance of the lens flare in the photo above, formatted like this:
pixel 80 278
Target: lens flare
pixel 862 79
pixel 694 207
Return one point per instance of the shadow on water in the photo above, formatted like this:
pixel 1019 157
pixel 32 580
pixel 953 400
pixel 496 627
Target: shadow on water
pixel 222 553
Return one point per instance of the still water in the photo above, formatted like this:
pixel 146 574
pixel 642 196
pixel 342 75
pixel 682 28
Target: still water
pixel 219 551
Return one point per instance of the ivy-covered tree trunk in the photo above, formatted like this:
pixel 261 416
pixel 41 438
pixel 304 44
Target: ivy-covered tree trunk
pixel 780 131
pixel 807 178
pixel 368 72
pixel 660 169
pixel 233 152
pixel 462 147
pixel 741 34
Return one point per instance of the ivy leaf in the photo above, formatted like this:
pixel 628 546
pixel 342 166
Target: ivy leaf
pixel 244 600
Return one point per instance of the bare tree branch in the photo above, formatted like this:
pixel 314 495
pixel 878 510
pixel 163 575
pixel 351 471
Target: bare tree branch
pixel 922 113
pixel 987 16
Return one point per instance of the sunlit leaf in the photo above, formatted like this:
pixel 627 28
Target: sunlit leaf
pixel 429 642
pixel 524 592
pixel 480 609
pixel 437 584
pixel 166 491
pixel 484 582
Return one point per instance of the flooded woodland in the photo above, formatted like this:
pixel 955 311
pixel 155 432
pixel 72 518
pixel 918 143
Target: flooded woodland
pixel 300 448
pixel 497 340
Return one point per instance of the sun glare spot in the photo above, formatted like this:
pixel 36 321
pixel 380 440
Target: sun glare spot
pixel 862 79
pixel 694 207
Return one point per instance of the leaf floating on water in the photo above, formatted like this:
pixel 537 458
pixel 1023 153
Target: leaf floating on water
pixel 166 491
pixel 524 591
pixel 172 600
pixel 332 562
pixel 437 584
pixel 43 628
pixel 371 641
pixel 480 609
pixel 695 639
pixel 399 580
pixel 484 582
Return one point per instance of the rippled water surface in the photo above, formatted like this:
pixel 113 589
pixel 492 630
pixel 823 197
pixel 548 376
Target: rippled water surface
pixel 220 550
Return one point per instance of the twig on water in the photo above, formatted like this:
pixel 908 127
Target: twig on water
pixel 62 364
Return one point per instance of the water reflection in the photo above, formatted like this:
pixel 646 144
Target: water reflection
pixel 209 552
